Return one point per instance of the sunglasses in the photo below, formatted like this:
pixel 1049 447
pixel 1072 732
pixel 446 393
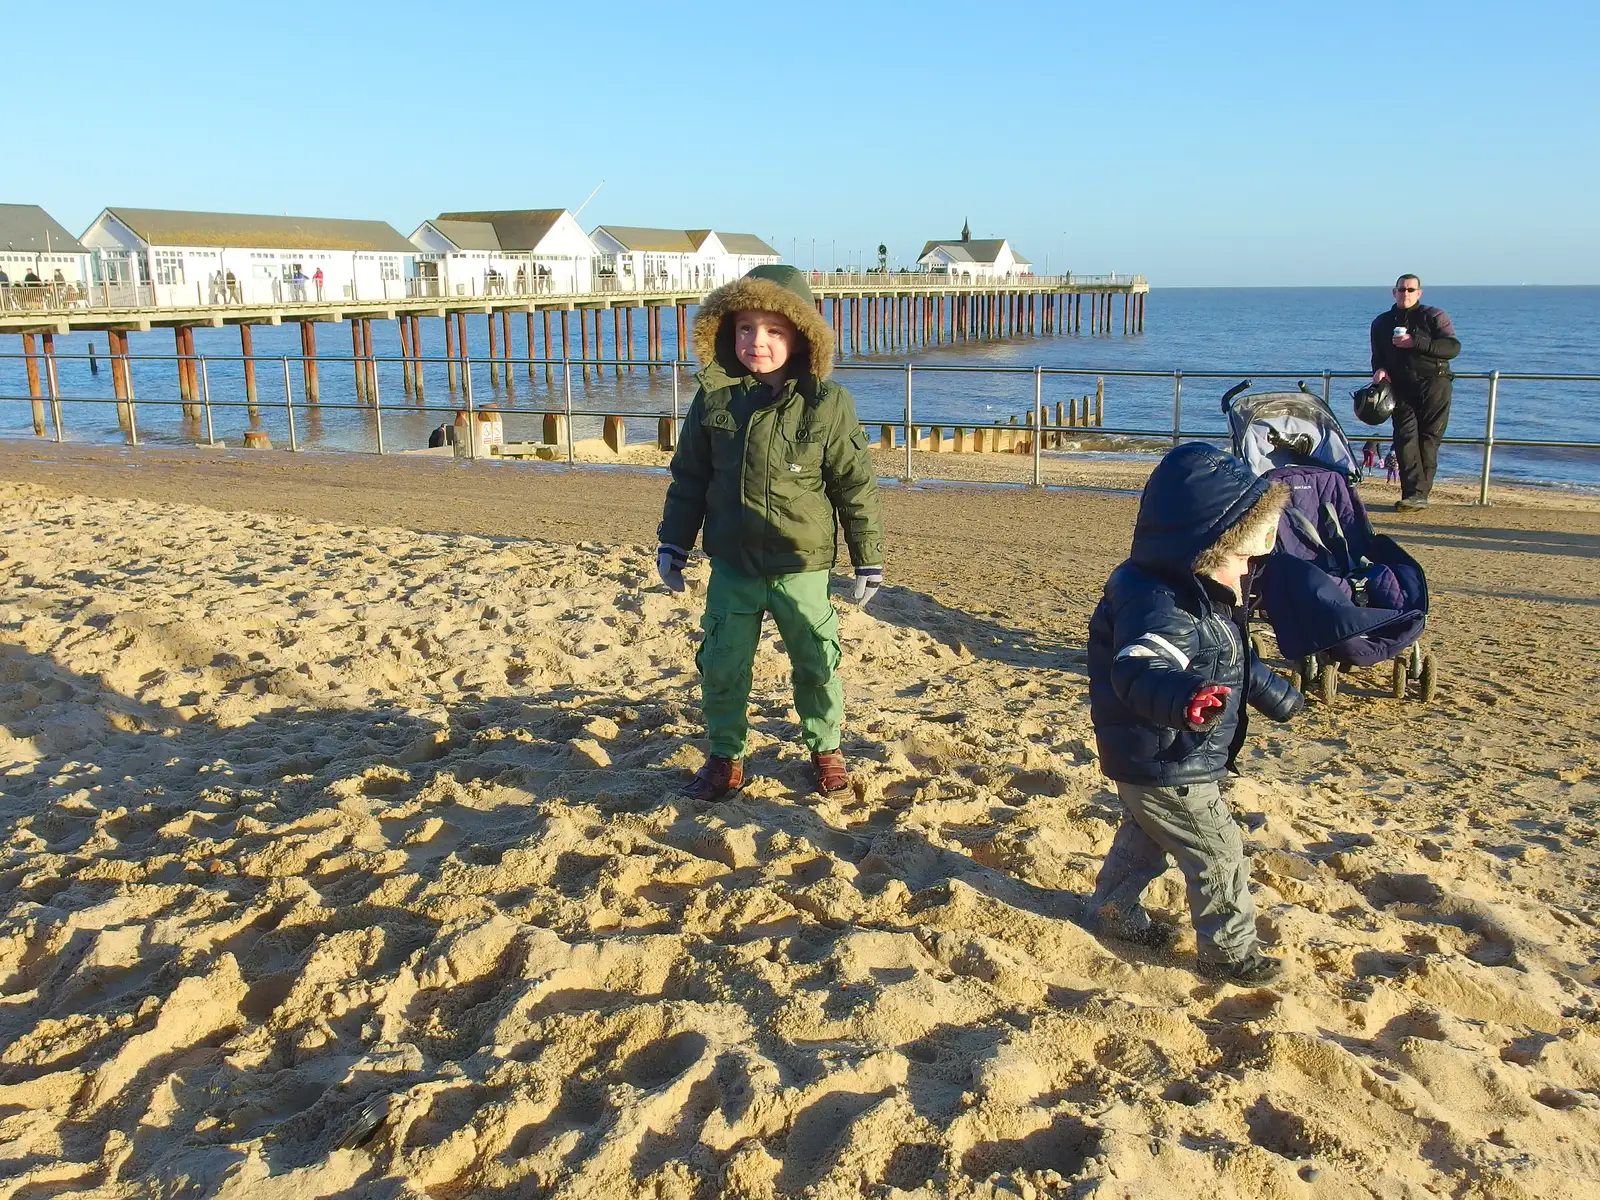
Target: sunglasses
pixel 1408 289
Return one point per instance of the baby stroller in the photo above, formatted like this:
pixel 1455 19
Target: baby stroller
pixel 1335 593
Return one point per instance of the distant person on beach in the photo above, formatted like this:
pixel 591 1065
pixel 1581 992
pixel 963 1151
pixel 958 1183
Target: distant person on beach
pixel 1170 671
pixel 771 457
pixel 1369 454
pixel 1412 345
pixel 1391 467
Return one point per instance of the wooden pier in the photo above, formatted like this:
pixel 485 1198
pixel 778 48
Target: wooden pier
pixel 869 314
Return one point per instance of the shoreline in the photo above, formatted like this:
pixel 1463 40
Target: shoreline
pixel 1121 470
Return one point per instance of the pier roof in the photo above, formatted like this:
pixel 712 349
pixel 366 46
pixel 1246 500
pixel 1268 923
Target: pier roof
pixel 29 228
pixel 514 229
pixel 668 241
pixel 979 250
pixel 173 227
pixel 744 243
pixel 468 235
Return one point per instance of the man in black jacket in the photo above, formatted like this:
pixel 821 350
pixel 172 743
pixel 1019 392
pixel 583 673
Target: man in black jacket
pixel 1170 671
pixel 1412 345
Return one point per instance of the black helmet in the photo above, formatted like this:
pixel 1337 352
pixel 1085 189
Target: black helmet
pixel 1374 403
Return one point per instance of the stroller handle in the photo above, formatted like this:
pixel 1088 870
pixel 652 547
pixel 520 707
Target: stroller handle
pixel 1227 398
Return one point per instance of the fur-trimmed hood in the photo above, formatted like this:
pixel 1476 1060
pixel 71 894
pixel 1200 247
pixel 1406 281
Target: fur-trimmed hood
pixel 1201 504
pixel 774 288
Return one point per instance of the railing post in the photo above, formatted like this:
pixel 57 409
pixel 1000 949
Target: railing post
pixel 1327 389
pixel 1488 436
pixel 675 363
pixel 566 382
pixel 1177 405
pixel 1038 427
pixel 472 423
pixel 910 429
pixel 377 400
pixel 288 403
pixel 54 387
pixel 127 383
pixel 205 399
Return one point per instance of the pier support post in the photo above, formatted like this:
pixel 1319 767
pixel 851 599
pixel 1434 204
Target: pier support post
pixel 549 364
pixel 494 351
pixel 35 390
pixel 616 337
pixel 417 373
pixel 370 363
pixel 565 343
pixel 505 343
pixel 247 352
pixel 404 322
pixel 450 349
pixel 308 362
pixel 356 365
pixel 183 374
pixel 683 333
pixel 117 347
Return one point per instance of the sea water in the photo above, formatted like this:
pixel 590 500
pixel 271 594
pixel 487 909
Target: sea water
pixel 1238 333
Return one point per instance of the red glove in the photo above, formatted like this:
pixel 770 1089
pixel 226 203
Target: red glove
pixel 1206 705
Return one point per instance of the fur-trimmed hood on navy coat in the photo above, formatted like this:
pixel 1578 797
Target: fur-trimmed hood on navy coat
pixel 1164 629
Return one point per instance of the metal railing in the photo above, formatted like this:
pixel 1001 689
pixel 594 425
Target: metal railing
pixel 956 281
pixel 47 406
pixel 212 292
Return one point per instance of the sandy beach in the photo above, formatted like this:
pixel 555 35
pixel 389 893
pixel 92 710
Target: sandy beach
pixel 343 857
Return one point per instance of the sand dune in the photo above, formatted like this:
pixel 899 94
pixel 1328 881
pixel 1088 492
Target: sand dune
pixel 348 862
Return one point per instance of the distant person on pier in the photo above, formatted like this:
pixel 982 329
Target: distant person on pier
pixel 233 289
pixel 771 459
pixel 317 279
pixel 298 282
pixel 1412 345
pixel 1171 669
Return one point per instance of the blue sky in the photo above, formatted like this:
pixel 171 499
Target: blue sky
pixel 1222 144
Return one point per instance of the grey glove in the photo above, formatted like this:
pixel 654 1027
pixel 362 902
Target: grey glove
pixel 670 562
pixel 868 581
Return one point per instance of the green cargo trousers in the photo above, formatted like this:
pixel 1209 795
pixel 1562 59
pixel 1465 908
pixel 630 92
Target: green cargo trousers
pixel 735 604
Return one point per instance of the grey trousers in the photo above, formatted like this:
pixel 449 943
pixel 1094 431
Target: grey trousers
pixel 1193 825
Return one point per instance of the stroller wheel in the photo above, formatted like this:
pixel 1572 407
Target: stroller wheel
pixel 1328 684
pixel 1415 658
pixel 1402 676
pixel 1429 677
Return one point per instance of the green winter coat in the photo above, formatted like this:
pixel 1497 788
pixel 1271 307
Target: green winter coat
pixel 769 477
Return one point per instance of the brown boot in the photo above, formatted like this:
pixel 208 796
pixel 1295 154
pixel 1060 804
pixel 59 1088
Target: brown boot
pixel 716 779
pixel 833 776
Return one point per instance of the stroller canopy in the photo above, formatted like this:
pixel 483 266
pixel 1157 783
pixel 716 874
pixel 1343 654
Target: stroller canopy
pixel 1287 429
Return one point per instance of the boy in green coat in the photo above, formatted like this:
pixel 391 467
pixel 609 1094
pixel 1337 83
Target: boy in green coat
pixel 771 457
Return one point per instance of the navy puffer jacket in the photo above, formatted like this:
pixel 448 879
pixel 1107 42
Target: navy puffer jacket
pixel 1161 632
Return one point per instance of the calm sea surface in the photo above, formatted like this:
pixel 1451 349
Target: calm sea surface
pixel 1241 331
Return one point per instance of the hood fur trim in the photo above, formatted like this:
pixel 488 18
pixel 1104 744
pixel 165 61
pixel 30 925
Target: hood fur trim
pixel 1251 535
pixel 714 344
